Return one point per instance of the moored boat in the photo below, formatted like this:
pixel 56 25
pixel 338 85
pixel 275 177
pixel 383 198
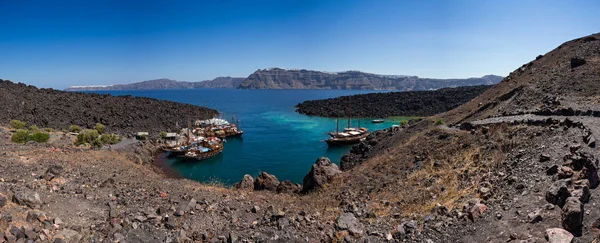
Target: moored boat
pixel 377 121
pixel 349 136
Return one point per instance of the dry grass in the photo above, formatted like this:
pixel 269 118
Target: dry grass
pixel 454 180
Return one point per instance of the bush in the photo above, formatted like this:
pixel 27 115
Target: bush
pixel 20 136
pixel 16 124
pixel 40 137
pixel 34 128
pixel 440 122
pixel 163 134
pixel 88 136
pixel 75 128
pixel 404 123
pixel 110 139
pixel 99 127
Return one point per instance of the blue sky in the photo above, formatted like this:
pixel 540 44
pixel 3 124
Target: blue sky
pixel 62 43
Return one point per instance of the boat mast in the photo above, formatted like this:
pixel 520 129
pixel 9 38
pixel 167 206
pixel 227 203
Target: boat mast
pixel 348 115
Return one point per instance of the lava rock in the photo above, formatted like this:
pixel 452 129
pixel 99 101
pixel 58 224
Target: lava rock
pixel 347 221
pixel 3 200
pixel 27 198
pixel 576 62
pixel 247 183
pixel 53 172
pixel 288 187
pixel 321 173
pixel 558 193
pixel 572 214
pixel 266 181
pixel 552 170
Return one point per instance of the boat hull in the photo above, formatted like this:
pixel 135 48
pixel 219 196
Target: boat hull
pixel 345 141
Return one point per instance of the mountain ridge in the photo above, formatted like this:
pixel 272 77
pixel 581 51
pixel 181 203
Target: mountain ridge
pixel 164 83
pixel 279 78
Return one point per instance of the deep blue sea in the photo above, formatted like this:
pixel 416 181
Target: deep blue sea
pixel 276 139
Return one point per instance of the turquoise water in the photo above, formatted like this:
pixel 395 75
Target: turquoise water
pixel 276 139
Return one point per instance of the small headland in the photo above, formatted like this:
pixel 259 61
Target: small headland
pixel 389 104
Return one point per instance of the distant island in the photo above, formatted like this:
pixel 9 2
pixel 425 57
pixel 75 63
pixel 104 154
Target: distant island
pixel 164 83
pixel 279 78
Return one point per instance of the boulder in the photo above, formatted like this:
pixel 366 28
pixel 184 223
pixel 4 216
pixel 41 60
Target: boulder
pixel 247 183
pixel 27 198
pixel 558 235
pixel 572 214
pixel 347 221
pixel 582 190
pixel 476 211
pixel 53 172
pixel 288 187
pixel 320 174
pixel 266 181
pixel 558 192
pixel 576 62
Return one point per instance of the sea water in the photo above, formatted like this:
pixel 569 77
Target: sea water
pixel 276 139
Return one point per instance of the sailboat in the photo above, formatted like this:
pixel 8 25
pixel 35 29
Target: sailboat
pixel 350 135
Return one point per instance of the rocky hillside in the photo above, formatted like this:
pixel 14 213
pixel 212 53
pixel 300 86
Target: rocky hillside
pixel 278 78
pixel 518 163
pixel 122 114
pixel 409 103
pixel 220 82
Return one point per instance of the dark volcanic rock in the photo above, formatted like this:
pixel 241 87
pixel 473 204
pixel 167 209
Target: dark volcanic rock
pixel 121 114
pixel 288 187
pixel 265 181
pixel 3 200
pixel 247 183
pixel 576 62
pixel 572 214
pixel 558 193
pixel 52 172
pixel 321 173
pixel 413 103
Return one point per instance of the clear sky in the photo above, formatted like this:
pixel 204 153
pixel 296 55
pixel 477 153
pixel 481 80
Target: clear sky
pixel 62 43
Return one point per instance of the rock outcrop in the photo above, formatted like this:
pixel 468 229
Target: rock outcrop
pixel 320 174
pixel 265 181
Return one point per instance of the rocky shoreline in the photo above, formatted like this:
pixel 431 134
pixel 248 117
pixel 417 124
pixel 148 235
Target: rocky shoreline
pixel 382 105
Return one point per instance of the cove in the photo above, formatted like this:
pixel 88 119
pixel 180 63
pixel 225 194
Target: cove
pixel 276 139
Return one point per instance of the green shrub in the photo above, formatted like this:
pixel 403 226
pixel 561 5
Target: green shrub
pixel 163 134
pixel 34 128
pixel 110 139
pixel 16 124
pixel 20 136
pixel 404 123
pixel 40 137
pixel 99 127
pixel 74 128
pixel 97 144
pixel 440 122
pixel 88 136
